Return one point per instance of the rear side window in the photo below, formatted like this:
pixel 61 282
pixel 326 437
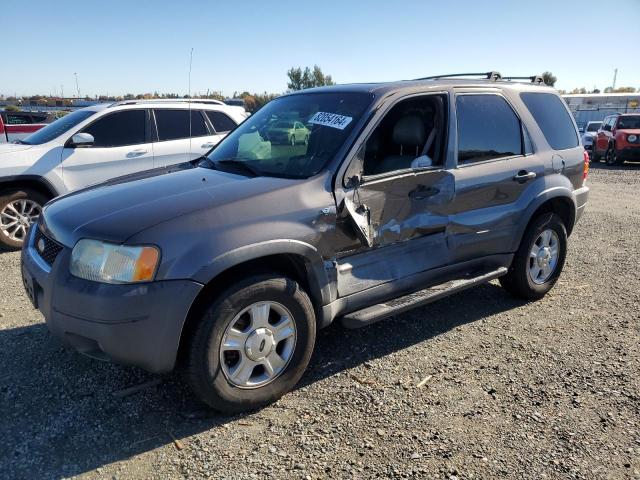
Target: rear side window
pixel 174 124
pixel 553 118
pixel 119 129
pixel 487 128
pixel 221 123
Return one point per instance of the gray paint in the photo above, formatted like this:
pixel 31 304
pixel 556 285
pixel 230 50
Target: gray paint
pixel 414 228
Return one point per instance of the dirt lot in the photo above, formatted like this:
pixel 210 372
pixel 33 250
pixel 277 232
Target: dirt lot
pixel 511 389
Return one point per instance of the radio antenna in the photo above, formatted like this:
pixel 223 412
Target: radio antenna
pixel 189 102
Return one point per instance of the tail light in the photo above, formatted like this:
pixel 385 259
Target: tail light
pixel 585 170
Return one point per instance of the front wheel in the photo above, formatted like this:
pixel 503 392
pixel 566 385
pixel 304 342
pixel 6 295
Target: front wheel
pixel 253 344
pixel 19 208
pixel 538 262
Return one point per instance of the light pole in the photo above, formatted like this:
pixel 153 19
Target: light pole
pixel 77 87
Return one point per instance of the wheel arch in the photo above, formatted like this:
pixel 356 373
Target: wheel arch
pixel 559 202
pixel 33 182
pixel 302 264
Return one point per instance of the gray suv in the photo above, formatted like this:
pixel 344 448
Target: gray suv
pixel 226 266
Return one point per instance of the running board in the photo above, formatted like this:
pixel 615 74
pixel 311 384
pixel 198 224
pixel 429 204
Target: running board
pixel 369 315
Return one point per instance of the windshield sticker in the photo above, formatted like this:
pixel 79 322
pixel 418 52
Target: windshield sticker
pixel 332 120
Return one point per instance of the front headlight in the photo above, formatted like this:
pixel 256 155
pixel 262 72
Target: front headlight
pixel 632 138
pixel 110 263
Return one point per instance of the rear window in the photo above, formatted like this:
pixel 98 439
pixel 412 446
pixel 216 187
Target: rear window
pixel 553 118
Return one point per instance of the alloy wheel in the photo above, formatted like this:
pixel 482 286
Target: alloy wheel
pixel 17 216
pixel 544 256
pixel 257 345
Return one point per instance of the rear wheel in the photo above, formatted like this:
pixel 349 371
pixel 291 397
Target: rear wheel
pixel 538 262
pixel 19 208
pixel 253 344
pixel 595 157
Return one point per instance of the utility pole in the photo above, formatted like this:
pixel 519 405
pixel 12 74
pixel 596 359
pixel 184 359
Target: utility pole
pixel 62 91
pixel 615 75
pixel 77 87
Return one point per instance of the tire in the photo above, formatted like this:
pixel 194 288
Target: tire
pixel 611 157
pixel 518 281
pixel 209 370
pixel 595 157
pixel 11 201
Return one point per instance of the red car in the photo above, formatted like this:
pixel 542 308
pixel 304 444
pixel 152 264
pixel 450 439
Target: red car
pixel 618 139
pixel 17 125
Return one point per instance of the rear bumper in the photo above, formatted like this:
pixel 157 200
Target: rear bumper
pixel 136 325
pixel 581 197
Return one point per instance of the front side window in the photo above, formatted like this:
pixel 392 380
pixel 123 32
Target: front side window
pixel 119 129
pixel 488 128
pixel 221 123
pixel 268 144
pixel 57 128
pixel 174 124
pixel 593 127
pixel 553 118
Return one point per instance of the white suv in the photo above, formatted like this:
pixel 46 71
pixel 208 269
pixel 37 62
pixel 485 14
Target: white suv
pixel 101 142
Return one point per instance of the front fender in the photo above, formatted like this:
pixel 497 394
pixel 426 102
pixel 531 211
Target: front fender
pixel 316 274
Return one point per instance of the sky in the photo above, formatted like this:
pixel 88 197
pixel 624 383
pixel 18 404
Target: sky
pixel 139 46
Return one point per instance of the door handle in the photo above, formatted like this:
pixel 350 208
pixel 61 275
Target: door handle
pixel 137 153
pixel 421 192
pixel 207 145
pixel 524 176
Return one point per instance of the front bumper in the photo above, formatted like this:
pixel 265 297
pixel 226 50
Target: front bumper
pixel 136 325
pixel 629 153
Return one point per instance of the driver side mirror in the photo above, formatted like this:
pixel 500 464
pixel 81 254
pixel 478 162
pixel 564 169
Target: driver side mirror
pixel 80 140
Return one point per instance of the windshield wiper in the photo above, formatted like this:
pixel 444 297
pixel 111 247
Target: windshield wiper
pixel 242 165
pixel 21 142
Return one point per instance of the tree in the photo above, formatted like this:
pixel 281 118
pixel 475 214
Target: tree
pixel 300 79
pixel 625 90
pixel 549 78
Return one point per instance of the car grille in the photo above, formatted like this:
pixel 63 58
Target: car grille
pixel 47 248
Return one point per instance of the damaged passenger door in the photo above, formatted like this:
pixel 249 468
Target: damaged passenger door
pixel 401 225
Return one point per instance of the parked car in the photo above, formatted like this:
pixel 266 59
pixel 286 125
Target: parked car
pixel 98 143
pixel 229 266
pixel 287 131
pixel 618 139
pixel 590 131
pixel 18 125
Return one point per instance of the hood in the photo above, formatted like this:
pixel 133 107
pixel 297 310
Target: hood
pixel 13 147
pixel 114 212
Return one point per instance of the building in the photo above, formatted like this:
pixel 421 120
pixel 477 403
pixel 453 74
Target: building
pixel 587 107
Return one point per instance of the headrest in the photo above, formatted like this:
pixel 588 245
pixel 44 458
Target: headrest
pixel 409 131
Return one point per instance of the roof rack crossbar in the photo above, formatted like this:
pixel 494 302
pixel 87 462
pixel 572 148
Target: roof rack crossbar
pixel 488 75
pixel 168 100
pixel 531 78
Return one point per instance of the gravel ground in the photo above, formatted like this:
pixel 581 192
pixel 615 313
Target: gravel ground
pixel 474 386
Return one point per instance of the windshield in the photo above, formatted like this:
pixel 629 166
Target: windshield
pixel 593 126
pixel 293 136
pixel 629 122
pixel 57 128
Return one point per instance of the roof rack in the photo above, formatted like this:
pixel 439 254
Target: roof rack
pixel 487 75
pixel 533 79
pixel 168 100
pixel 493 76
